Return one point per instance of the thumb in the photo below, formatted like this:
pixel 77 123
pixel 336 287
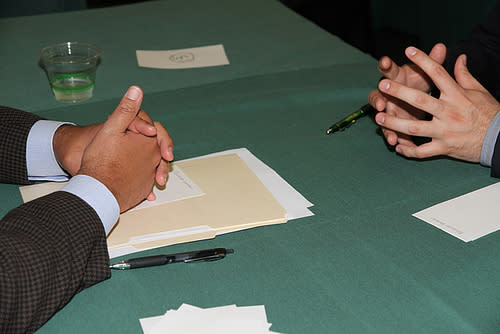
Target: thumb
pixel 126 111
pixel 463 76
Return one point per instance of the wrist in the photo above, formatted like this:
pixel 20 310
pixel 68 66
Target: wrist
pixel 59 144
pixel 69 144
pixel 103 176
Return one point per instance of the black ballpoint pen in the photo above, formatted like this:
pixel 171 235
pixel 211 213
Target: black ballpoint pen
pixel 349 120
pixel 158 260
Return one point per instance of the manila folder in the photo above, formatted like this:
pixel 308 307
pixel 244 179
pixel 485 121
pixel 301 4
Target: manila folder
pixel 235 199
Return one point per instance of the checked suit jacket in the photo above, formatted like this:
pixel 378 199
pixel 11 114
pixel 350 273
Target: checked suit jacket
pixel 50 248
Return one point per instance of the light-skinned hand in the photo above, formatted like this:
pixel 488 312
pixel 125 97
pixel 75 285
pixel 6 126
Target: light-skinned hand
pixel 409 75
pixel 461 115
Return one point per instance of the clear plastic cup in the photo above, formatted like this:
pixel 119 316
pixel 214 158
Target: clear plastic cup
pixel 71 68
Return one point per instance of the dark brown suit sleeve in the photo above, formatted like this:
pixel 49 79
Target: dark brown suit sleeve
pixel 15 126
pixel 50 248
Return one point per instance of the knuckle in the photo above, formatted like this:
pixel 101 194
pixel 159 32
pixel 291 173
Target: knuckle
pixel 144 116
pixel 421 99
pixel 413 129
pixel 437 70
pixel 128 106
pixel 419 155
pixel 391 109
pixel 371 97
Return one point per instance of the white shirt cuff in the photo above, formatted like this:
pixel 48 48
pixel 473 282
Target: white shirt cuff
pixel 489 141
pixel 99 197
pixel 41 162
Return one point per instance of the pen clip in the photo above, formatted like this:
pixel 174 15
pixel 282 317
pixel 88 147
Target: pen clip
pixel 210 255
pixel 207 258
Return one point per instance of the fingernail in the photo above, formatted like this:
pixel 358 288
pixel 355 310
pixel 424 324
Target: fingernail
pixel 464 58
pixel 398 149
pixel 411 51
pixel 385 85
pixel 171 153
pixel 133 93
pixel 380 118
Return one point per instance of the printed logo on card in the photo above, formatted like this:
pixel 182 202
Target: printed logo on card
pixel 182 57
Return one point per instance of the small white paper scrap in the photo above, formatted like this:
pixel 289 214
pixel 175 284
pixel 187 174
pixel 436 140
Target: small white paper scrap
pixel 179 186
pixel 205 56
pixel 467 217
pixel 220 320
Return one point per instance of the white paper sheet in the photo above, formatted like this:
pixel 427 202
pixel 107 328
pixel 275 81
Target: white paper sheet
pixel 217 320
pixel 205 56
pixel 467 217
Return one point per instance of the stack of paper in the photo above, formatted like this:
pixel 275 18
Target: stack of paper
pixel 218 320
pixel 204 196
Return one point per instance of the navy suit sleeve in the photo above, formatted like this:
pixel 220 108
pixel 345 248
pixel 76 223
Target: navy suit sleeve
pixel 482 48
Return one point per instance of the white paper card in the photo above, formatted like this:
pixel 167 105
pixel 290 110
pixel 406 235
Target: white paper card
pixel 467 217
pixel 179 186
pixel 205 56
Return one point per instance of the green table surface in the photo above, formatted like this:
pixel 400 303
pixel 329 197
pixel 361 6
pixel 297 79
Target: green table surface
pixel 361 264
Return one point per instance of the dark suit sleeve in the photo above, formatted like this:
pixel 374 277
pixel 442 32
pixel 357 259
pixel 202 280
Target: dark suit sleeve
pixel 482 48
pixel 495 160
pixel 50 248
pixel 14 129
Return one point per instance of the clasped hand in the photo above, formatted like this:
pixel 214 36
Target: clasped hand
pixel 460 116
pixel 127 153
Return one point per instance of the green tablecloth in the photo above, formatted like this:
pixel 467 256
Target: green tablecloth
pixel 361 264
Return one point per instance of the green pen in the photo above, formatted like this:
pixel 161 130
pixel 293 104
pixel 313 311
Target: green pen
pixel 349 120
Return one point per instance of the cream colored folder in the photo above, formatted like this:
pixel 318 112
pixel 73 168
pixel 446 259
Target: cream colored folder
pixel 234 199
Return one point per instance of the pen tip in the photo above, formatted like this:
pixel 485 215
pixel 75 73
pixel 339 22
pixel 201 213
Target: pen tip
pixel 329 131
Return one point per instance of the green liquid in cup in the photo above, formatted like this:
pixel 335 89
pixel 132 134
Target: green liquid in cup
pixel 73 87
